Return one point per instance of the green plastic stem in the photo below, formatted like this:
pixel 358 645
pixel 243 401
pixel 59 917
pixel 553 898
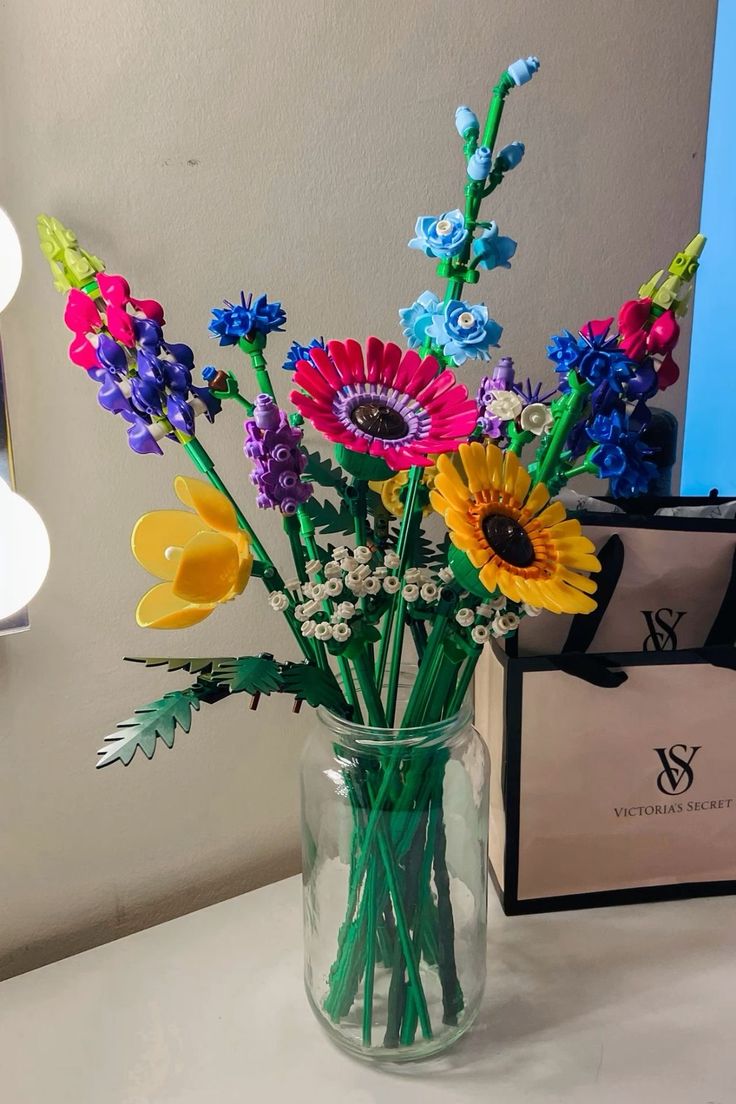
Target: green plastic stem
pixel 577 397
pixel 370 954
pixel 495 110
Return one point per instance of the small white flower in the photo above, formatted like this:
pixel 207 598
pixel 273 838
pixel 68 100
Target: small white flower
pixel 446 574
pixel 341 632
pixel 362 571
pixel 479 634
pixel 429 592
pixel 504 623
pixel 340 553
pixel 465 617
pixel 318 591
pixel 309 608
pixel 278 601
pixel 333 571
pixel 346 610
pixel 410 592
pixel 333 587
pixel 300 613
pixel 536 418
pixel 363 554
pixel 309 628
pixel 413 575
pixel 371 585
pixel 391 561
pixel 313 567
pixel 349 563
pixel 531 611
pixel 391 584
pixel 380 572
pixel 307 588
pixel 323 631
pixel 505 405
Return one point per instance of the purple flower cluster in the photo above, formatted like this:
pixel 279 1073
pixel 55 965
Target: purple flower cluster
pixel 274 446
pixel 150 385
pixel 248 318
pixel 501 379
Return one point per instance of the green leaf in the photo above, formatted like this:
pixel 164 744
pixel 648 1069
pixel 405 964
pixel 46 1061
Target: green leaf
pixel 328 518
pixel 324 472
pixel 316 687
pixel 157 720
pixel 194 666
pixel 259 674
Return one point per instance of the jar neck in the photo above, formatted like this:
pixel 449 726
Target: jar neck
pixel 369 739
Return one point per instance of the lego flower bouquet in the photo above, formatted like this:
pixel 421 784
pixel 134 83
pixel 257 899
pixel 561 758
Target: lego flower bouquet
pixel 420 533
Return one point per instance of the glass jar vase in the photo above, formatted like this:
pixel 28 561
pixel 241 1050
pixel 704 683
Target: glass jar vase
pixel 395 835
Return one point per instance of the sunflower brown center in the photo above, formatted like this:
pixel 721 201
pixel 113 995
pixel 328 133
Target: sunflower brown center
pixel 380 421
pixel 508 539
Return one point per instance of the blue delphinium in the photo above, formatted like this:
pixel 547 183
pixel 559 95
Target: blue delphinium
pixel 494 250
pixel 464 331
pixel 594 355
pixel 440 237
pixel 246 317
pixel 299 352
pixel 620 455
pixel 416 319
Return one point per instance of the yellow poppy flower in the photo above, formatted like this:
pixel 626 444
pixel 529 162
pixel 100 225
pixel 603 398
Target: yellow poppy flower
pixel 522 544
pixel 389 489
pixel 203 557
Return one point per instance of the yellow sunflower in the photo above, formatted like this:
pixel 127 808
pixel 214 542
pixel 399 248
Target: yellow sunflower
pixel 390 489
pixel 203 557
pixel 523 544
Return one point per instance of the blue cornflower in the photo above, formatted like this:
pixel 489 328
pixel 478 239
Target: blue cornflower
pixel 440 237
pixel 494 250
pixel 416 319
pixel 247 317
pixel 464 330
pixel 532 394
pixel 299 352
pixel 620 455
pixel 594 355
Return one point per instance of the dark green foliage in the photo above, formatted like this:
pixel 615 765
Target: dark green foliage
pixel 194 666
pixel 259 674
pixel 325 473
pixel 314 686
pixel 328 518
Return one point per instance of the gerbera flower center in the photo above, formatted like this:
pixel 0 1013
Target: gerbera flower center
pixel 377 420
pixel 508 539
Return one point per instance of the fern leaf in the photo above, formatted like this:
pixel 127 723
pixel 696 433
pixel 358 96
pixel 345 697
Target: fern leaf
pixel 328 518
pixel 194 666
pixel 314 686
pixel 157 720
pixel 249 674
pixel 324 472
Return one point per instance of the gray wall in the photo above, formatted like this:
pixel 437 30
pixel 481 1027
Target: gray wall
pixel 204 147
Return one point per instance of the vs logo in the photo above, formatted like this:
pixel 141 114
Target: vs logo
pixel 676 776
pixel 661 624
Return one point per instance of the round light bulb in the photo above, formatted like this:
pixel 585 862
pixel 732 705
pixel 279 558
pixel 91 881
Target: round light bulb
pixel 11 260
pixel 24 551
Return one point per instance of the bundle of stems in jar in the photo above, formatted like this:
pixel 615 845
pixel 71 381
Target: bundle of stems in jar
pixel 374 581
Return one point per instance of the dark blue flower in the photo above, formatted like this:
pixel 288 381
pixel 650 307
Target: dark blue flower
pixel 532 394
pixel 180 414
pixel 148 334
pixel 245 318
pixel 594 355
pixel 178 377
pixel 147 398
pixel 299 352
pixel 150 368
pixel 111 355
pixel 620 455
pixel 212 405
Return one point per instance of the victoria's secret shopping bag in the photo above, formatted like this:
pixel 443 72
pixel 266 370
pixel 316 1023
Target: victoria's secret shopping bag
pixel 613 773
pixel 670 585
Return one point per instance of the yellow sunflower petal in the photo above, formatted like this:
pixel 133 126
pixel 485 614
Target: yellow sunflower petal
pixel 494 464
pixel 474 461
pixel 451 477
pixel 489 576
pixel 581 560
pixel 459 523
pixel 582 582
pixel 569 529
pixel 439 502
pixel 207 569
pixel 540 596
pixel 453 489
pixel 478 554
pixel 554 513
pixel 521 486
pixel 570 599
pixel 211 505
pixel 511 465
pixel 507 584
pixel 538 498
pixel 159 608
pixel 158 531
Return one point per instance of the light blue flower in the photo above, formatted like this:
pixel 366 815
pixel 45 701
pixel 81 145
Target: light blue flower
pixel 512 153
pixel 479 164
pixel 416 319
pixel 494 250
pixel 465 120
pixel 464 331
pixel 440 237
pixel 523 70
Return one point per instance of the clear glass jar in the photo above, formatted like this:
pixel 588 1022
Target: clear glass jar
pixel 395 846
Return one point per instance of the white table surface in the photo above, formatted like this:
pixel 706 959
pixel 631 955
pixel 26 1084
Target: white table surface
pixel 633 1005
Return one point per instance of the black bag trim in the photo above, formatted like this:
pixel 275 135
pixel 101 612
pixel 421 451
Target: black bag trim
pixel 723 631
pixel 584 626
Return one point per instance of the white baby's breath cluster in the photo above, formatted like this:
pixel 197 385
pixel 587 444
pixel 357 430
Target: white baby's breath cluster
pixel 493 618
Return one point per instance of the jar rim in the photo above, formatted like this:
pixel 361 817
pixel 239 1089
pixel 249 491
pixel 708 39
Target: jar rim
pixel 367 737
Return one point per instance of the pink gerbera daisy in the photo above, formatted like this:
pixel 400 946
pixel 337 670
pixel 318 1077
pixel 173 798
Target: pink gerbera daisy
pixel 392 405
